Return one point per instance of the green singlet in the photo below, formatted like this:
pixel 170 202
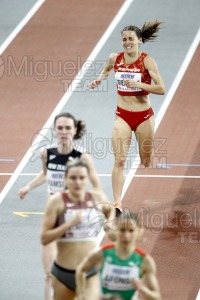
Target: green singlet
pixel 117 274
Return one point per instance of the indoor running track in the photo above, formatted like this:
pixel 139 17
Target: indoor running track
pixel 166 195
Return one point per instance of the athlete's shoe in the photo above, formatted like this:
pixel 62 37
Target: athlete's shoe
pixel 118 208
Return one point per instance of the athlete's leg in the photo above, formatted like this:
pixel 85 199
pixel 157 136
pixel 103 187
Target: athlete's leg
pixel 92 288
pixel 121 138
pixel 48 256
pixel 61 292
pixel 145 137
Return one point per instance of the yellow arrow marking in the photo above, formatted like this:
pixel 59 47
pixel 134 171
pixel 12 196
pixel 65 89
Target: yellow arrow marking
pixel 25 214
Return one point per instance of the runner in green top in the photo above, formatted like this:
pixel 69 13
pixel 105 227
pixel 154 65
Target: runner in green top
pixel 117 274
pixel 124 269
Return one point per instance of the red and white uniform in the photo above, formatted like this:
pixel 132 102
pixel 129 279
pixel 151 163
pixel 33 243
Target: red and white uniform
pixel 91 225
pixel 136 71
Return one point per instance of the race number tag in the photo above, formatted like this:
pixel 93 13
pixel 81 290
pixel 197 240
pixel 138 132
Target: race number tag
pixel 120 76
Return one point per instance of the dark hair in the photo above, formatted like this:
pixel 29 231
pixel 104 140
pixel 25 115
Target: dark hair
pixel 76 163
pixel 80 125
pixel 129 215
pixel 147 33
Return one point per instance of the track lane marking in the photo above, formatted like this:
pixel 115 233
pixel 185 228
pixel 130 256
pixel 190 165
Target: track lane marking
pixel 165 104
pixel 198 296
pixel 19 27
pixel 25 214
pixel 109 175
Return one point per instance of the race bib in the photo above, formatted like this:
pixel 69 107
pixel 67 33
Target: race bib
pixel 55 181
pixel 120 76
pixel 118 277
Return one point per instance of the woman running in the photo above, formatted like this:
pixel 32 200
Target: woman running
pixel 74 219
pixel 125 270
pixel 54 159
pixel 134 72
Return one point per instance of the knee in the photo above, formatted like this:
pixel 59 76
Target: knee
pixel 146 161
pixel 120 162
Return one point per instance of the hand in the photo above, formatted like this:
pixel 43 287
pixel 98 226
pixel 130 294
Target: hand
pixel 94 84
pixel 137 283
pixel 23 191
pixel 78 218
pixel 130 83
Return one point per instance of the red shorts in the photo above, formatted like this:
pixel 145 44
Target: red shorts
pixel 134 118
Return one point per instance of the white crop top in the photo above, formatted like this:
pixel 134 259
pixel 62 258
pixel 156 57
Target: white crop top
pixel 90 227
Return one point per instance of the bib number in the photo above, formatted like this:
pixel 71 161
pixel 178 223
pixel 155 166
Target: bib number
pixel 120 76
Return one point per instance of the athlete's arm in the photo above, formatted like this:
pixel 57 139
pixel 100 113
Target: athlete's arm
pixel 93 259
pixel 109 211
pixel 103 204
pixel 92 172
pixel 44 160
pixel 105 71
pixel 148 286
pixel 158 87
pixel 54 207
pixel 38 180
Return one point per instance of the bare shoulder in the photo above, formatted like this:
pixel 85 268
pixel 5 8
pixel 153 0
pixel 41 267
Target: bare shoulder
pixel 149 265
pixel 111 58
pixel 86 156
pixel 55 202
pixel 149 61
pixel 43 153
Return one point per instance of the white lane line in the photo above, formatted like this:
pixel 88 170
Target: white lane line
pixel 6 160
pixel 19 27
pixel 178 79
pixel 168 176
pixel 168 166
pixel 109 175
pixel 66 96
pixel 165 104
pixel 21 174
pixel 198 296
